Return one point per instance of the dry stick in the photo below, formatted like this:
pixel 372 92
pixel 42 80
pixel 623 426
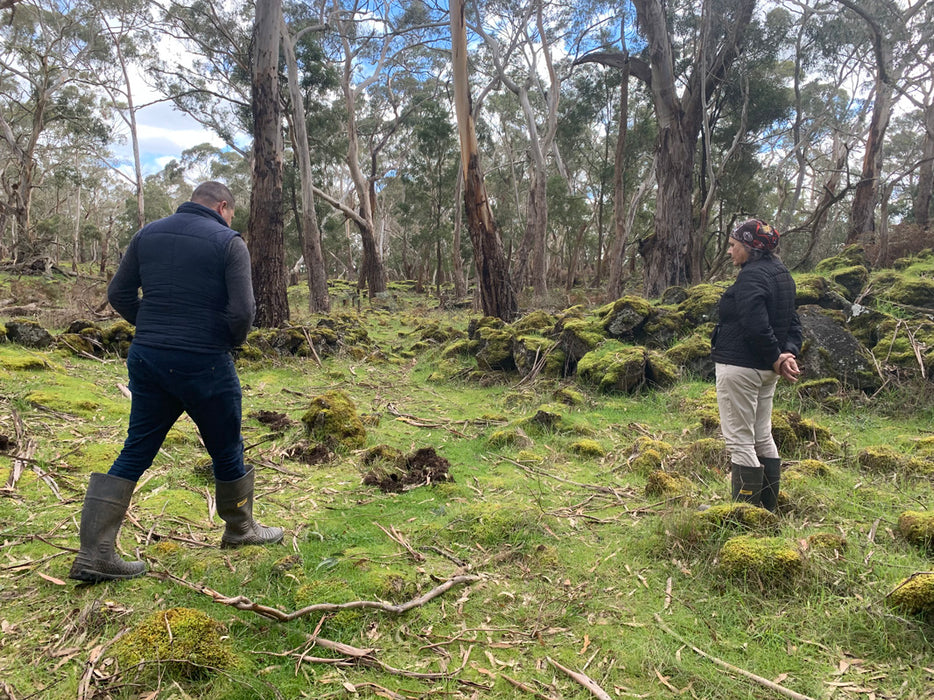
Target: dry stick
pixel 400 540
pixel 243 603
pixel 764 682
pixel 312 346
pixel 584 680
pixel 527 689
pixel 419 423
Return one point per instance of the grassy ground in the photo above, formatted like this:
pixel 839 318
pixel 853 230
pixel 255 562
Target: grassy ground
pixel 566 564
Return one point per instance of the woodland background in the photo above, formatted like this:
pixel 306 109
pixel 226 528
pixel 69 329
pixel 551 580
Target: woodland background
pixel 619 142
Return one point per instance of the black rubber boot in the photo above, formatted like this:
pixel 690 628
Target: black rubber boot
pixel 747 483
pixel 771 476
pixel 105 504
pixel 235 506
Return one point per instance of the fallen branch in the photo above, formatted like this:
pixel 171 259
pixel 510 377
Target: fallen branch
pixel 764 682
pixel 583 679
pixel 243 603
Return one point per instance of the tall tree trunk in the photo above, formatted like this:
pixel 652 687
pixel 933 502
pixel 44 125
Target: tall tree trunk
pixel 318 298
pixel 266 238
pixel 620 231
pixel 460 284
pixel 496 293
pixel 921 206
pixel 866 195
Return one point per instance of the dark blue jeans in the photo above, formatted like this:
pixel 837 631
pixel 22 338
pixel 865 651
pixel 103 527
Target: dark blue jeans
pixel 166 382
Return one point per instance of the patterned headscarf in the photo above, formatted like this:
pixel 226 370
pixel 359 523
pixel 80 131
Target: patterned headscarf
pixel 756 234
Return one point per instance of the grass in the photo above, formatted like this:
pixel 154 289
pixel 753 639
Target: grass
pixel 576 564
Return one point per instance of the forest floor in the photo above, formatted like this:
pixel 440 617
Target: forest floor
pixel 527 558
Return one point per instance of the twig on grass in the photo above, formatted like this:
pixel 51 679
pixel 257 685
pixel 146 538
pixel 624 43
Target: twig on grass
pixel 394 535
pixel 583 679
pixel 243 603
pixel 527 689
pixel 764 682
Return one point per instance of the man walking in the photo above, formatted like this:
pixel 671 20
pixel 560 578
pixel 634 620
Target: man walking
pixel 196 306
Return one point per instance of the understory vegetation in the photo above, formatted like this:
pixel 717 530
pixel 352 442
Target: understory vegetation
pixel 460 529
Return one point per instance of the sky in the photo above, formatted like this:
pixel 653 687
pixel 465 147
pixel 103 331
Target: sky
pixel 164 133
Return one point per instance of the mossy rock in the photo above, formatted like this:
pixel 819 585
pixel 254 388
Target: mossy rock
pixel 577 337
pixel 643 443
pixel 530 351
pixel 664 326
pixel 572 397
pixel 474 325
pixel 435 332
pixel 701 304
pixel 914 596
pixel 826 542
pixel 614 366
pixel 763 559
pixel 738 514
pixel 820 291
pixel 825 392
pixel 646 461
pixel 494 350
pixel 692 355
pixel 851 255
pixel 332 419
pixel 880 460
pixel 182 642
pixel 75 343
pixel 811 468
pixel 662 484
pixel 912 291
pixel 511 436
pixel 707 452
pixel 588 448
pixel 118 333
pixel 852 279
pixel 792 433
pixel 548 418
pixel 623 318
pixel 28 333
pixel 537 321
pixel 462 347
pixel 917 527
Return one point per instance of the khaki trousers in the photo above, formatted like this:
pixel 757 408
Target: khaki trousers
pixel 744 397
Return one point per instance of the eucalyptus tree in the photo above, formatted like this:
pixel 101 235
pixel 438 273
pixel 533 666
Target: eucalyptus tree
pixel 265 228
pixel 898 31
pixel 519 38
pixel 46 46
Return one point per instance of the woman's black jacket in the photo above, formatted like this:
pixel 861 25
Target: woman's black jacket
pixel 757 319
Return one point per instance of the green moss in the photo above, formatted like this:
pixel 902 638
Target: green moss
pixel 914 596
pixel 812 468
pixel 851 255
pixel 58 401
pixel 879 460
pixel 917 527
pixel 528 350
pixel 572 397
pixel 577 337
pixel 624 317
pixel 701 303
pixel 537 321
pixel 643 443
pixel 852 279
pixel 662 484
pixel 75 343
pixel 491 524
pixel 459 347
pixel 494 351
pixel 180 641
pixel 614 367
pixel 15 359
pixel 707 452
pixel 663 326
pixel 766 559
pixel 588 448
pixel 118 335
pixel 332 419
pixel 690 352
pixel 735 514
pixel 508 436
pixel 826 542
pixel 913 291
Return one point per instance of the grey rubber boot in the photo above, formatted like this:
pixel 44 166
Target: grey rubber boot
pixel 105 504
pixel 747 483
pixel 772 473
pixel 235 506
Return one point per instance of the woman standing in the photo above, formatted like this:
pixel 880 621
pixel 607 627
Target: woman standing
pixel 754 343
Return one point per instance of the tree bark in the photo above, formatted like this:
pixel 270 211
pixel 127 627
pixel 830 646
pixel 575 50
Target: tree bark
pixel 620 231
pixel 318 298
pixel 496 293
pixel 921 206
pixel 266 238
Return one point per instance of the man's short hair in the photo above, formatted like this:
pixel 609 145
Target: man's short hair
pixel 210 193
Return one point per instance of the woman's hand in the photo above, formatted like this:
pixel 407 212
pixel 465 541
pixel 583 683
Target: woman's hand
pixel 786 366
